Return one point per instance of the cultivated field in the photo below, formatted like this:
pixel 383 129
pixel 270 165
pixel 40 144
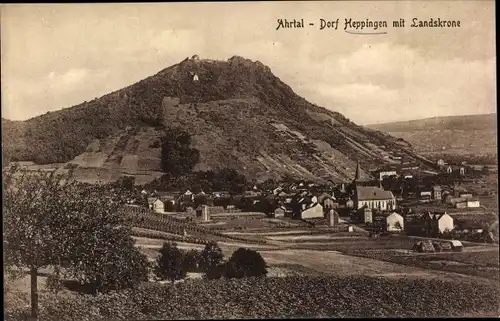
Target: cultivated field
pixel 328 251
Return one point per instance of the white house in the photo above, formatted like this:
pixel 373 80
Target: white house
pixel 394 222
pixel 280 211
pixel 426 195
pixel 443 222
pixel 315 211
pixel 387 174
pixel 473 203
pixel 195 77
pixel 156 205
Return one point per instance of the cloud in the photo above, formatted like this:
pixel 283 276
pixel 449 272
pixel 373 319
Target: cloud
pixel 70 78
pixel 387 82
pixel 55 58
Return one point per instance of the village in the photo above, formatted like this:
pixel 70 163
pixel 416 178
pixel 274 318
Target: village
pixel 404 199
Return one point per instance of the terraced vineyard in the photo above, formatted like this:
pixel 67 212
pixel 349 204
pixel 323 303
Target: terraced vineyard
pixel 143 218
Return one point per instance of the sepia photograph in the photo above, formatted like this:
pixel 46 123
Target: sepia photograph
pixel 249 160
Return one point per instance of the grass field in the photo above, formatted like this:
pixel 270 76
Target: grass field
pixel 482 264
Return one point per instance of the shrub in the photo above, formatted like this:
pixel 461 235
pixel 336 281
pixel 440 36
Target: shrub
pixel 211 256
pixel 191 261
pixel 170 264
pixel 215 272
pixel 245 263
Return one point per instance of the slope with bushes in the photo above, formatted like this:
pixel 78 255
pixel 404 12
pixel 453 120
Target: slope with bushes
pixel 239 114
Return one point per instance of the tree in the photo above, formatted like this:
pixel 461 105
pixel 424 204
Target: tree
pixel 245 263
pixel 52 220
pixel 191 260
pixel 211 256
pixel 177 157
pixel 170 264
pixel 126 182
pixel 34 205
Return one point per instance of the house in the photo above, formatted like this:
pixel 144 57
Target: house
pixel 326 201
pixel 426 195
pixel 313 211
pixel 394 222
pixel 280 212
pixel 186 197
pixel 332 218
pixel 374 198
pixel 203 212
pixel 277 190
pixel 436 192
pixel 156 205
pixel 449 170
pixel 454 200
pixel 472 203
pixel 440 163
pixel 252 194
pixel 461 204
pixel 396 157
pixel 441 223
pixel 383 174
pixel 367 215
pixel 221 194
pixel 202 198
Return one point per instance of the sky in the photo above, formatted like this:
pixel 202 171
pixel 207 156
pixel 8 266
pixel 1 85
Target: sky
pixel 56 56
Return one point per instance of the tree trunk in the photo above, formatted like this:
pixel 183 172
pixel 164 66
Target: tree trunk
pixel 34 293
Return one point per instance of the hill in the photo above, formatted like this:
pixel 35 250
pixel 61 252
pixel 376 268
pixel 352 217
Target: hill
pixel 239 114
pixel 452 135
pixel 464 123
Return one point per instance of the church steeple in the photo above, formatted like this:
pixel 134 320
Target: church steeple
pixel 358 173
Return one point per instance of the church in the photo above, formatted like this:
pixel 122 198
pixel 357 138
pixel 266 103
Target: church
pixel 372 197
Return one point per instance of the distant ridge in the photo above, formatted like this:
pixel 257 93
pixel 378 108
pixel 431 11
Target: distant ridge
pixel 452 135
pixel 463 122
